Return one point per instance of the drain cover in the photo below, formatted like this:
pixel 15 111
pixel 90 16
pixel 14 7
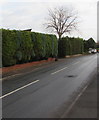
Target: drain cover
pixel 72 76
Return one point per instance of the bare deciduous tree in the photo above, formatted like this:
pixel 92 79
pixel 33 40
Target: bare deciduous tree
pixel 61 21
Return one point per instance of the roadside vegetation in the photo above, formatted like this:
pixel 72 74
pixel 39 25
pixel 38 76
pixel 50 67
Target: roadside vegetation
pixel 23 46
pixel 61 20
pixel 70 46
pixel 90 43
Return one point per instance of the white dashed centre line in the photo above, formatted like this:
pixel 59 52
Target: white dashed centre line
pixel 63 69
pixel 19 89
pixel 59 70
pixel 76 63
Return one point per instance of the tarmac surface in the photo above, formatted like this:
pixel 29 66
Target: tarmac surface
pixel 86 104
pixel 63 89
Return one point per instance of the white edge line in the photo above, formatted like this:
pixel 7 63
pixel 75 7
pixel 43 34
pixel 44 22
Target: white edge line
pixel 18 74
pixel 58 71
pixel 10 76
pixel 18 89
pixel 74 101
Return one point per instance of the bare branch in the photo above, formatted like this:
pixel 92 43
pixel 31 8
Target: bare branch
pixel 62 21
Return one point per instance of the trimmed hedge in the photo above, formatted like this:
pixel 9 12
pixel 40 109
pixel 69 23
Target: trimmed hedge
pixel 24 46
pixel 8 47
pixel 70 46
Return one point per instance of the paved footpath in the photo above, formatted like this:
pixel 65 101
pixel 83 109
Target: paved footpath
pixel 86 104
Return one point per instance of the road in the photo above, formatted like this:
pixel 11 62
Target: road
pixel 49 90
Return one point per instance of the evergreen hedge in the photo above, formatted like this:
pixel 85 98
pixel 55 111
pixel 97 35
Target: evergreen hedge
pixel 8 47
pixel 70 46
pixel 24 46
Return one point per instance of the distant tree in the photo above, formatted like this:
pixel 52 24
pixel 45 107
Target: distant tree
pixel 61 21
pixel 90 43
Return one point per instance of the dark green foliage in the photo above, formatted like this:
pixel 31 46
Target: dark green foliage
pixel 62 47
pixel 90 43
pixel 44 45
pixel 25 46
pixel 54 46
pixel 8 47
pixel 70 46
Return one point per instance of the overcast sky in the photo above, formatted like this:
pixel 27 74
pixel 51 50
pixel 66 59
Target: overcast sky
pixel 25 14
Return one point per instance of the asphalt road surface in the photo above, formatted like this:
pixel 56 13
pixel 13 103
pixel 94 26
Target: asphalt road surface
pixel 47 91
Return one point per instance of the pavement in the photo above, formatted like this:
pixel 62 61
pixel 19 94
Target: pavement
pixel 62 89
pixel 85 105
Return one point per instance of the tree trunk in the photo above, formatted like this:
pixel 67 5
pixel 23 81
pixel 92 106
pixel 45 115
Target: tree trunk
pixel 59 37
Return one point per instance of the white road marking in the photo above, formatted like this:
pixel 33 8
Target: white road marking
pixel 19 89
pixel 63 69
pixel 59 70
pixel 11 76
pixel 76 63
pixel 18 74
pixel 24 73
pixel 71 106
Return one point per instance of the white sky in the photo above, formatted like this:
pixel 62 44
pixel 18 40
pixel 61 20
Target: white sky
pixel 25 14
